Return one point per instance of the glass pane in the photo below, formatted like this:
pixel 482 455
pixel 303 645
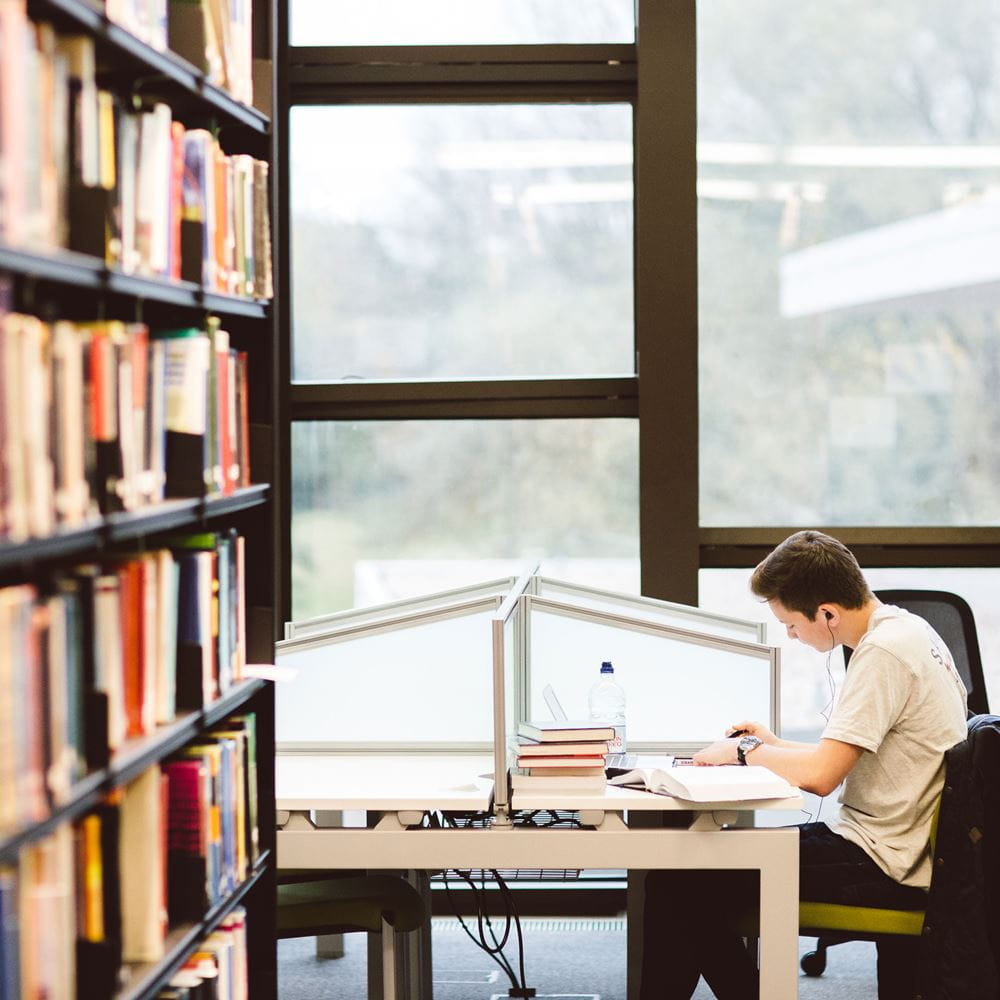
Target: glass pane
pixel 648 609
pixel 445 22
pixel 387 510
pixel 676 692
pixel 853 191
pixel 430 683
pixel 806 689
pixel 455 241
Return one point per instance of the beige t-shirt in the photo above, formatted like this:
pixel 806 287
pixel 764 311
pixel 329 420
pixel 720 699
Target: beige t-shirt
pixel 904 703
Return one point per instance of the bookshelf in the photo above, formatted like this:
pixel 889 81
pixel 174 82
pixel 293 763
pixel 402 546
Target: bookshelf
pixel 84 750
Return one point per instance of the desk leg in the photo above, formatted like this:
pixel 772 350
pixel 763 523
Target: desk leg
pixel 420 980
pixel 413 969
pixel 329 945
pixel 779 916
pixel 777 858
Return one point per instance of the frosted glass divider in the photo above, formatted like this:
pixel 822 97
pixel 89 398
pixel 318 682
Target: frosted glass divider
pixel 357 627
pixel 754 650
pixel 606 600
pixel 321 624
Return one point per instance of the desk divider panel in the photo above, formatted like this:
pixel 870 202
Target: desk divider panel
pixel 456 671
pixel 648 608
pixel 683 687
pixel 423 681
pixel 332 623
pixel 508 660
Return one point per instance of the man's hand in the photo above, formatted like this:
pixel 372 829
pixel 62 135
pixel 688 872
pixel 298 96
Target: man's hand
pixel 723 752
pixel 757 729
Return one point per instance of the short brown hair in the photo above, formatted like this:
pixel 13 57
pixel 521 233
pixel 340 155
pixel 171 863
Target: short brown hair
pixel 809 569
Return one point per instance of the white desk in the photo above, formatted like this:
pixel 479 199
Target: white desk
pixel 404 787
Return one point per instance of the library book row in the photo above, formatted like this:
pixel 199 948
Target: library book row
pixel 108 653
pixel 85 908
pixel 214 35
pixel 102 417
pixel 118 177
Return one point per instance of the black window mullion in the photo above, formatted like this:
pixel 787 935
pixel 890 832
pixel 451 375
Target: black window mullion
pixel 512 398
pixel 666 299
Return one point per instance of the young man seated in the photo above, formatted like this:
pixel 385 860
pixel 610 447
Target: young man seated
pixel 900 707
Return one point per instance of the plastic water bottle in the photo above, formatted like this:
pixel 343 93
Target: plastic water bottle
pixel 607 704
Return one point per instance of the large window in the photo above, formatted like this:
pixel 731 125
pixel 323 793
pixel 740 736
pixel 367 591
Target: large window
pixel 849 230
pixel 386 510
pixel 453 22
pixel 463 353
pixel 640 303
pixel 448 241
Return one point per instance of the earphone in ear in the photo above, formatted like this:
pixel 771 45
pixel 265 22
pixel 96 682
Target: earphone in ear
pixel 829 615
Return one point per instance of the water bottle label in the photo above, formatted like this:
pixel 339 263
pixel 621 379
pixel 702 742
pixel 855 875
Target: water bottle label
pixel 617 743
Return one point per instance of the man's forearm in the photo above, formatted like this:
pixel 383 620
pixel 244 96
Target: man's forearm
pixel 794 745
pixel 801 764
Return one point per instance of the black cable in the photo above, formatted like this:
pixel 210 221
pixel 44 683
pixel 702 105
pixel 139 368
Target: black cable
pixel 511 909
pixel 518 986
pixel 496 953
pixel 815 817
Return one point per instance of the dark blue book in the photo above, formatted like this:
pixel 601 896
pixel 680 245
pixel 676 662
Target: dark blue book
pixel 10 969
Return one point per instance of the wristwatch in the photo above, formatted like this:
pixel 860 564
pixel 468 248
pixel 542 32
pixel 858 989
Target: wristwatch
pixel 745 745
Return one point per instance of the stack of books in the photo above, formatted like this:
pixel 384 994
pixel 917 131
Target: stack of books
pixel 561 755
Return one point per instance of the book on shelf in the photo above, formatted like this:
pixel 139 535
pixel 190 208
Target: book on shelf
pixel 215 36
pixel 108 653
pixel 98 949
pixel 47 916
pixel 212 818
pixel 563 731
pixel 142 866
pixel 146 19
pixel 84 169
pixel 218 967
pixel 22 731
pixel 709 784
pixel 10 937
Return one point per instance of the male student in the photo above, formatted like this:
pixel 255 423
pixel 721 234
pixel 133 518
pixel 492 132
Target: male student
pixel 900 707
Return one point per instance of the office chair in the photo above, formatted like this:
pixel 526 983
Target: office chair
pixel 951 617
pixel 312 903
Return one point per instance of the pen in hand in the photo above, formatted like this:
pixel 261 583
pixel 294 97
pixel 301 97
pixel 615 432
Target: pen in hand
pixel 736 733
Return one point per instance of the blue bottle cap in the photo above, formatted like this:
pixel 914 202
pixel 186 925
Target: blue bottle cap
pixel 606 667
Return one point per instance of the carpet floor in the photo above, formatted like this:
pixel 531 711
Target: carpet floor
pixel 572 959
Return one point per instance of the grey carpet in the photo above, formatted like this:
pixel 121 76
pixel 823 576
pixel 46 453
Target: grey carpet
pixel 573 959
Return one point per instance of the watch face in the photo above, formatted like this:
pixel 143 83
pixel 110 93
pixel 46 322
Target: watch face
pixel 745 745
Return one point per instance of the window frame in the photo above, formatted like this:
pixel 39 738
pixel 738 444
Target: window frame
pixel 657 75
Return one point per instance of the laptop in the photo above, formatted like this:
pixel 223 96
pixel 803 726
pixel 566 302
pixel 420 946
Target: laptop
pixel 618 763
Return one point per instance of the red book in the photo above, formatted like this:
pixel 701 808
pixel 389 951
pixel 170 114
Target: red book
pixel 131 589
pixel 176 196
pixel 242 420
pixel 567 760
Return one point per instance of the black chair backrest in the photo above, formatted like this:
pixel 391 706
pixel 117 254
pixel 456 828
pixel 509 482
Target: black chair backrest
pixel 951 617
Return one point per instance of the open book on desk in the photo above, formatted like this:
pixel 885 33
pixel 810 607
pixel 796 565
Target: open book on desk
pixel 726 783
